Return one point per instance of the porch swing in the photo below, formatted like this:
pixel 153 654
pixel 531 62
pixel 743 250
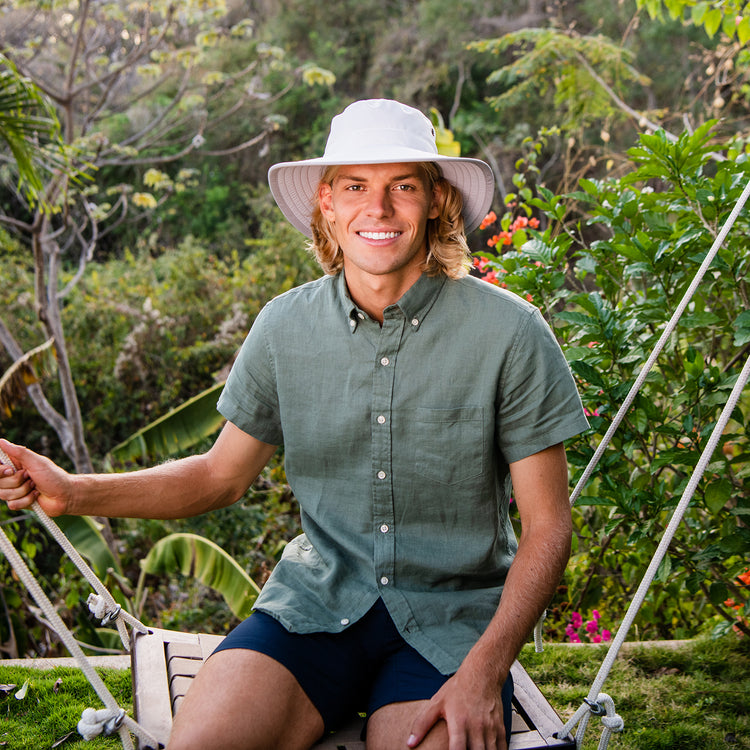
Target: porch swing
pixel 164 662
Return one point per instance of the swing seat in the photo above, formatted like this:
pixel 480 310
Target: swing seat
pixel 164 663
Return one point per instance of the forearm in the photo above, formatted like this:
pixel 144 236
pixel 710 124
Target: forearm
pixel 540 488
pixel 530 585
pixel 177 489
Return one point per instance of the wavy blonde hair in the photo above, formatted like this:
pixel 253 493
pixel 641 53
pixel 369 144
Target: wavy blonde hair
pixel 447 250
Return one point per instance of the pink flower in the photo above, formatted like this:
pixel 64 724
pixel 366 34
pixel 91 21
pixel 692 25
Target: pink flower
pixel 595 614
pixel 480 263
pixel 576 620
pixel 606 635
pixel 592 627
pixel 596 639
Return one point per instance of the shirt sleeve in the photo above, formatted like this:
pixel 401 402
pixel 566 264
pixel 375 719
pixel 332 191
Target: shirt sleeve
pixel 250 399
pixel 538 403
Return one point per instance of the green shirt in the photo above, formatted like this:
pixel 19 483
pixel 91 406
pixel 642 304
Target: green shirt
pixel 397 441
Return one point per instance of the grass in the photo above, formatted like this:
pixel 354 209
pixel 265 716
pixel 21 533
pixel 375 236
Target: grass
pixel 48 714
pixel 694 696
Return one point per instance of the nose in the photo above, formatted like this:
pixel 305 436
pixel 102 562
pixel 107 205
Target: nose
pixel 380 203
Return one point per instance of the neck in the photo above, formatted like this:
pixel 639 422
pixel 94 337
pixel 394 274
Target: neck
pixel 374 293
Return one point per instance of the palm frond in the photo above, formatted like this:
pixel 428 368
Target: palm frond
pixel 25 371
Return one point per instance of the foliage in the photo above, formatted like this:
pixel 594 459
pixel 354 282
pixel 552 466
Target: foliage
pixel 177 430
pixel 731 18
pixel 205 560
pixel 607 266
pixel 31 131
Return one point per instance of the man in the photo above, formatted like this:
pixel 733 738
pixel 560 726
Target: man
pixel 408 397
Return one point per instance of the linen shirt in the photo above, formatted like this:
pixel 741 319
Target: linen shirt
pixel 397 444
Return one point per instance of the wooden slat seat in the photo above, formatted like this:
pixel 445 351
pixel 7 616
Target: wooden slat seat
pixel 164 663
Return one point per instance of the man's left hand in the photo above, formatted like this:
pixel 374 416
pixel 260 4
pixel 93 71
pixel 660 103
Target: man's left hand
pixel 470 703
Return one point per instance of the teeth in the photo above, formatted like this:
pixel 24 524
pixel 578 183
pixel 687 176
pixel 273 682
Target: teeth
pixel 378 235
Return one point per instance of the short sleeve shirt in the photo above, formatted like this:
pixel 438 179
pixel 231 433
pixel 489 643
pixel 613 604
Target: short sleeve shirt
pixel 397 444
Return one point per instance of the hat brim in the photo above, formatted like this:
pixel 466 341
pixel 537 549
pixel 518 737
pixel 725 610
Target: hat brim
pixel 294 184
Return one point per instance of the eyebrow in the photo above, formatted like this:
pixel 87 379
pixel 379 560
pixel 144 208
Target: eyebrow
pixel 413 175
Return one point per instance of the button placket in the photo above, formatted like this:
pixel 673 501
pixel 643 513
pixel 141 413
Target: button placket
pixel 382 396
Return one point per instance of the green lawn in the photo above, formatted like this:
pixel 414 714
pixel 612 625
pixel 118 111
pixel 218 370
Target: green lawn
pixel 695 696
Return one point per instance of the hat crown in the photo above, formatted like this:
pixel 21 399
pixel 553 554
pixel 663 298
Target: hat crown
pixel 374 124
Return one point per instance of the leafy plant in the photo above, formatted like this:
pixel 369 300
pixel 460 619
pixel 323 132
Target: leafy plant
pixel 607 266
pixel 197 556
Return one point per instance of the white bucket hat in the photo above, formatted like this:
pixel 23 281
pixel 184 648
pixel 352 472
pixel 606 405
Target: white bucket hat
pixel 379 131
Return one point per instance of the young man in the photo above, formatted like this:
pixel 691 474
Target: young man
pixel 408 397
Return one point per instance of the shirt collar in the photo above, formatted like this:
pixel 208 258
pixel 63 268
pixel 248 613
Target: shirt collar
pixel 414 304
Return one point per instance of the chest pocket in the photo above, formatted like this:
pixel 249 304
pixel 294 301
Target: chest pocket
pixel 450 444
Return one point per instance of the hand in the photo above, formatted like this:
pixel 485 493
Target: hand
pixel 470 703
pixel 35 478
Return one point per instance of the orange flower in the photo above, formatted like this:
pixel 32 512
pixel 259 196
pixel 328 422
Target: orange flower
pixel 491 218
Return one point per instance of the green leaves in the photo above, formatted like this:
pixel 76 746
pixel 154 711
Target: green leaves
pixel 193 555
pixel 629 249
pixel 176 431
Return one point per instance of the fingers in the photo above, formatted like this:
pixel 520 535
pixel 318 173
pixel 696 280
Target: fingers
pixel 423 723
pixel 17 489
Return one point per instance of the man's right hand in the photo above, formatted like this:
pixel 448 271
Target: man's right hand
pixel 35 478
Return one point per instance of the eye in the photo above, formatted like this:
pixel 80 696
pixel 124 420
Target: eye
pixel 406 187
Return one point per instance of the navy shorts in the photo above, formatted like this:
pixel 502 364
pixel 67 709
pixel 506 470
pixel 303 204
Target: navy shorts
pixel 365 667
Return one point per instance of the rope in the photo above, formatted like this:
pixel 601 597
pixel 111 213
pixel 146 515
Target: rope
pixel 111 719
pixel 102 605
pixel 640 595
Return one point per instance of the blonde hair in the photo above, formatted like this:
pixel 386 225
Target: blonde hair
pixel 447 250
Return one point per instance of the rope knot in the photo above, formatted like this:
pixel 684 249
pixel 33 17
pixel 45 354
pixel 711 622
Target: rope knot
pixel 102 610
pixel 103 721
pixel 614 723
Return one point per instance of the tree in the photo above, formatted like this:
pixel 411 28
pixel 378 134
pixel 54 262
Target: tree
pixel 137 88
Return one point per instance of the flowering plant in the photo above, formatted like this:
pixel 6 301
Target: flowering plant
pixel 591 631
pixel 742 611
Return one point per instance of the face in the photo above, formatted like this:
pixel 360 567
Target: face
pixel 379 215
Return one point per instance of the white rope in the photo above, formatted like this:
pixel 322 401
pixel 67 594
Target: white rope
pixel 661 551
pixel 124 725
pixel 102 605
pixel 671 325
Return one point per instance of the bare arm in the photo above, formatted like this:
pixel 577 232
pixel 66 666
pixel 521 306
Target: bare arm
pixel 176 489
pixel 470 701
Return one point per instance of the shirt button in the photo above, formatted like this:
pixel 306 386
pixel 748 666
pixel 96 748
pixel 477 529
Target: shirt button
pixel 415 322
pixel 384 528
pixel 361 316
pixel 381 475
pixel 384 580
pixel 344 620
pixel 352 323
pixel 381 419
pixel 385 361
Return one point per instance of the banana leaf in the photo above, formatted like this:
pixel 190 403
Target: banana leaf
pixel 196 556
pixel 176 431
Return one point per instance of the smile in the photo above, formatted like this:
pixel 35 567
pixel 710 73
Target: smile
pixel 379 235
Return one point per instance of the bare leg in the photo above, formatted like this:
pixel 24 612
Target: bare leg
pixel 389 727
pixel 245 700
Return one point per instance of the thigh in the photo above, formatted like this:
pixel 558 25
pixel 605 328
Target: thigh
pixel 390 724
pixel 245 700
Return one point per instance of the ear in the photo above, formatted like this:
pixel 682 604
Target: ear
pixel 437 202
pixel 325 200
